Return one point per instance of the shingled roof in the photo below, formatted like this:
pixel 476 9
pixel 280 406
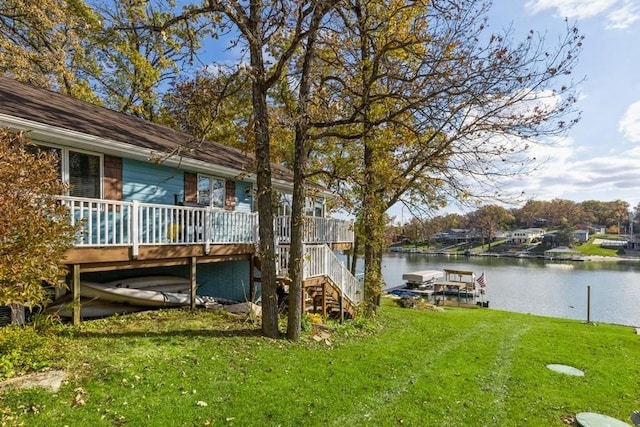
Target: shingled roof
pixel 53 109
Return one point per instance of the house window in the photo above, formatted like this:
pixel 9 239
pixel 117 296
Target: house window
pixel 319 208
pixel 285 204
pixel 84 174
pixel 314 206
pixel 81 170
pixel 211 191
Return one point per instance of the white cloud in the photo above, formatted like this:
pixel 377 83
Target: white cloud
pixel 609 177
pixel 629 125
pixel 572 9
pixel 624 16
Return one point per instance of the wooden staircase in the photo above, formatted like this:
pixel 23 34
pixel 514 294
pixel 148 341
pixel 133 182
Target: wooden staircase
pixel 322 291
pixel 323 297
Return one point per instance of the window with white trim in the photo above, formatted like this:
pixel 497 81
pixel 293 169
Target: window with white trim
pixel 81 170
pixel 84 174
pixel 314 206
pixel 284 208
pixel 211 191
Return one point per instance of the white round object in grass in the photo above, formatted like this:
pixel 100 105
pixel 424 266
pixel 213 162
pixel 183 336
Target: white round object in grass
pixel 591 419
pixel 565 369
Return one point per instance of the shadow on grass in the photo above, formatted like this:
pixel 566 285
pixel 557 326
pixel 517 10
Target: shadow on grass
pixel 193 333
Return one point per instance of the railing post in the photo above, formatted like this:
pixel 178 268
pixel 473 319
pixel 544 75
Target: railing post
pixel 327 264
pixel 256 231
pixel 193 261
pixel 306 261
pixel 135 229
pixel 75 289
pixel 208 226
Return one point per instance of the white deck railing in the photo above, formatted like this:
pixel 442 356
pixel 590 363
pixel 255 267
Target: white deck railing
pixel 116 223
pixel 316 230
pixel 319 260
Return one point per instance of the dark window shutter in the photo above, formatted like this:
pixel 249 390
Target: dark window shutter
pixel 230 195
pixel 112 178
pixel 190 187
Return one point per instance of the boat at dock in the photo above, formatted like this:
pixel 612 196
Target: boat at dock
pixel 437 283
pixel 418 283
pixel 459 283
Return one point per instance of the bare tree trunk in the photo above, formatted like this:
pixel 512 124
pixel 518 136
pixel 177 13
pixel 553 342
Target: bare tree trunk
pixel 372 211
pixel 300 170
pixel 373 214
pixel 296 254
pixel 263 180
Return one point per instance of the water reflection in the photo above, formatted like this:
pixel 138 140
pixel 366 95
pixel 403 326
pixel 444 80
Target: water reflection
pixel 541 287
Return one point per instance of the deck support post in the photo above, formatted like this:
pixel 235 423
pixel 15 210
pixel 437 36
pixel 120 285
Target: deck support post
pixel 324 299
pixel 252 281
pixel 193 261
pixel 75 289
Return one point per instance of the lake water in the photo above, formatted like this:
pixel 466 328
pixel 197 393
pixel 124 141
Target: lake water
pixel 557 289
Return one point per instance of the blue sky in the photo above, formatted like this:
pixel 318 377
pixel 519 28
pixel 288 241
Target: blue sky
pixel 599 159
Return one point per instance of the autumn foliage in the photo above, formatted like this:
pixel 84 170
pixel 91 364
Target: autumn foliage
pixel 34 227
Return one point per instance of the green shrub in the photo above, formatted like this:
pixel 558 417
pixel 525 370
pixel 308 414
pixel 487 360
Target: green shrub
pixel 23 349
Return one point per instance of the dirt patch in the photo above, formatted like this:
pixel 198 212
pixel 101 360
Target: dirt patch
pixel 49 380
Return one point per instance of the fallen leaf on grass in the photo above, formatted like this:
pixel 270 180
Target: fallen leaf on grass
pixel 78 400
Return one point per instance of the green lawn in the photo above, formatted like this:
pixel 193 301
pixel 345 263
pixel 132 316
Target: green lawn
pixel 588 248
pixel 460 367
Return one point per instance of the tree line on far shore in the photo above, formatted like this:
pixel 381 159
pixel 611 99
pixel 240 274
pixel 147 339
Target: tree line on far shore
pixel 615 217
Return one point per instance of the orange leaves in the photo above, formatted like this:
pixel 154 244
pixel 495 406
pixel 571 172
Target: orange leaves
pixel 34 228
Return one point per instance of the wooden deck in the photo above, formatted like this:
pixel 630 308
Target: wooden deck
pixel 121 258
pixel 117 235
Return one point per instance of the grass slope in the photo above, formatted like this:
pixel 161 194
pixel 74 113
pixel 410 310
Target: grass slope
pixel 460 367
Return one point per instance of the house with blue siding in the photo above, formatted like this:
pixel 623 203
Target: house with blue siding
pixel 150 201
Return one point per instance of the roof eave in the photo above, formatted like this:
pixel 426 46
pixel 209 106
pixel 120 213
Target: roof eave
pixel 56 135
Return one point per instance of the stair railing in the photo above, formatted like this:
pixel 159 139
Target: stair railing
pixel 320 260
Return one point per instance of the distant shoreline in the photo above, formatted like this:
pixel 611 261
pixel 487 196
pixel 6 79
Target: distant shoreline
pixel 573 258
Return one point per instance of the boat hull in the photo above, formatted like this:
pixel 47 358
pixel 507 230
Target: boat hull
pixel 154 283
pixel 133 296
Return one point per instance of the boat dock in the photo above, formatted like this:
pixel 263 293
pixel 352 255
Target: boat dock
pixel 458 283
pixel 439 285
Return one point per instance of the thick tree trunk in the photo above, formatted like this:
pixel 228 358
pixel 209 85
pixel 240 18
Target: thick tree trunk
pixel 265 224
pixel 265 221
pixel 296 260
pixel 373 281
pixel 372 212
pixel 263 180
pixel 296 255
pixel 373 216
